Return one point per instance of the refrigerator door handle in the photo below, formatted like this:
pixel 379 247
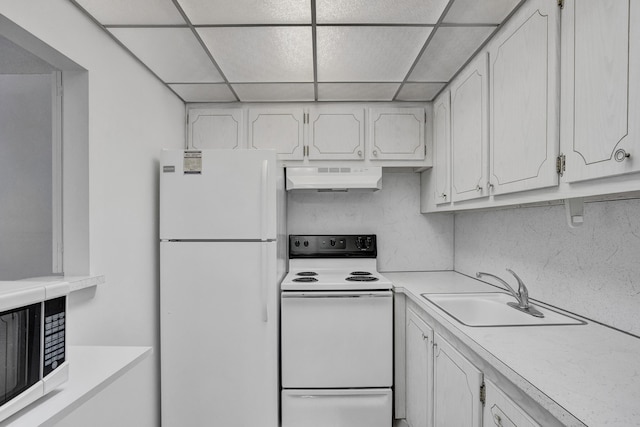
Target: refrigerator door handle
pixel 263 282
pixel 264 209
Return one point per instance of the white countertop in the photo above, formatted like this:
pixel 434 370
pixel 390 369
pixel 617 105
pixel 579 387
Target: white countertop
pixel 582 374
pixel 91 369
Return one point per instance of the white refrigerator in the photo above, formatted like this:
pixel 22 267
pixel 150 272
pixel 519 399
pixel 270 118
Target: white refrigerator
pixel 222 257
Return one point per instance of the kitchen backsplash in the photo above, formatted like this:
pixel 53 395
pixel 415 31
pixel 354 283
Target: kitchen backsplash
pixel 593 270
pixel 407 240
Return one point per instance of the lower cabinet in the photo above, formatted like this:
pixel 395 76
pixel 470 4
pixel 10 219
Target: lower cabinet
pixel 500 411
pixel 419 371
pixel 445 389
pixel 456 388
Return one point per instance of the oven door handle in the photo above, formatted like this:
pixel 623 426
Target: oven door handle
pixel 337 294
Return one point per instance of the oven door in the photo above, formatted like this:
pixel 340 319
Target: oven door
pixel 337 339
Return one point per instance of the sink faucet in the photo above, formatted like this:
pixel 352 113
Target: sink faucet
pixel 522 295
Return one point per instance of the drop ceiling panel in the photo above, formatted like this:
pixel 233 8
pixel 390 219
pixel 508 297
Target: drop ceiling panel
pixel 419 91
pixel 203 12
pixel 357 91
pixel 448 50
pixel 174 54
pixel 129 12
pixel 379 11
pixel 258 92
pixel 479 12
pixel 368 54
pixel 203 92
pixel 262 54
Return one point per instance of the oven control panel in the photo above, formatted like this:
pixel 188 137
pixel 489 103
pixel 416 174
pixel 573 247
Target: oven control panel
pixel 332 246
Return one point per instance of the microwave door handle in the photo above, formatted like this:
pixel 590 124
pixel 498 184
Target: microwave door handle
pixel 264 281
pixel 263 200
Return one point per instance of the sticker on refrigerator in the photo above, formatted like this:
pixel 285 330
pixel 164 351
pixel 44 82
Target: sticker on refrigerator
pixel 192 162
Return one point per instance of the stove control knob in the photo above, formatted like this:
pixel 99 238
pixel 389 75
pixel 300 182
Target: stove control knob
pixel 332 242
pixel 306 243
pixel 297 243
pixel 360 244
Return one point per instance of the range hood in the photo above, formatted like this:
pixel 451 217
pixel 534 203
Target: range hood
pixel 334 178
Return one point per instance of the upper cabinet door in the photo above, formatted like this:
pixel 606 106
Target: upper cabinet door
pixel 278 129
pixel 601 88
pixel 442 147
pixel 215 128
pixel 524 72
pixel 469 133
pixel 396 134
pixel 336 133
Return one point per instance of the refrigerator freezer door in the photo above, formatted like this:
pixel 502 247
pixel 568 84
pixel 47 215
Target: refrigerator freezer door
pixel 219 334
pixel 321 408
pixel 221 195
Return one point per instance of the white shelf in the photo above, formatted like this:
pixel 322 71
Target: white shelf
pixel 91 370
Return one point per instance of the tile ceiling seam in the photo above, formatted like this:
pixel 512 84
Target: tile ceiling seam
pixel 424 48
pixel 481 47
pixel 204 47
pixel 314 49
pixel 126 49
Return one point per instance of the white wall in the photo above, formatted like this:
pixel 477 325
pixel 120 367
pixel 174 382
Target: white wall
pixel 407 240
pixel 131 116
pixel 593 270
pixel 25 176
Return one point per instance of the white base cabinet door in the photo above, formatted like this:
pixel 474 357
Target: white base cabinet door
pixel 524 107
pixel 501 411
pixel 419 371
pixel 457 385
pixel 600 88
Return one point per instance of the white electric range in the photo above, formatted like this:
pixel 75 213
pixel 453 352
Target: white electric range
pixel 336 334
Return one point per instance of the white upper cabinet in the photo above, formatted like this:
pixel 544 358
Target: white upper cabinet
pixel 281 129
pixel 469 132
pixel 524 72
pixel 336 133
pixel 456 388
pixel 215 128
pixel 600 88
pixel 442 148
pixel 396 133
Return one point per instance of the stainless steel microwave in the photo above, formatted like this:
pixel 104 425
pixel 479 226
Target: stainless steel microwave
pixel 33 352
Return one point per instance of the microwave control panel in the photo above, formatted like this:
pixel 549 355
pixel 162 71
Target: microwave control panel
pixel 54 334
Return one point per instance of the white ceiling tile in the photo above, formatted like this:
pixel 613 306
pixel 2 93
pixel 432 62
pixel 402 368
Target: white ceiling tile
pixel 261 92
pixel 203 92
pixel 373 54
pixel 174 54
pixel 262 54
pixel 357 91
pixel 202 12
pixel 133 12
pixel 419 91
pixel 379 11
pixel 479 12
pixel 448 50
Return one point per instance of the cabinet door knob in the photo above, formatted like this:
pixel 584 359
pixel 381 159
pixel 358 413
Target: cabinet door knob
pixel 489 185
pixel 478 188
pixel 359 153
pixel 375 152
pixel 443 195
pixel 620 155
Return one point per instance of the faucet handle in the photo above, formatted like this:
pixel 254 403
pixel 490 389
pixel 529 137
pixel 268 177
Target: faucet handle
pixel 522 289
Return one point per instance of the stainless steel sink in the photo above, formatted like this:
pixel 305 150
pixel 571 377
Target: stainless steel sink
pixel 491 309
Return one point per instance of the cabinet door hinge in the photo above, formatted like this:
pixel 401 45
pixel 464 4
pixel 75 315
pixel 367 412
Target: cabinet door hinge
pixel 305 118
pixel 483 394
pixel 305 151
pixel 561 4
pixel 561 164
